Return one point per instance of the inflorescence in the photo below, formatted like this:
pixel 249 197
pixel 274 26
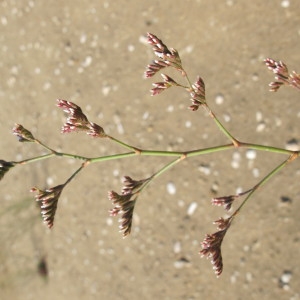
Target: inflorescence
pixel 124 202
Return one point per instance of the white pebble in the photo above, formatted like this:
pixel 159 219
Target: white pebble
pixel 254 77
pixel 4 21
pixel 219 99
pixel 116 172
pixel 192 208
pixel 286 277
pixel 109 221
pixel 181 263
pixel 170 108
pixel 83 38
pixel 177 247
pixel 87 61
pixel 251 154
pixel 261 127
pixel 50 181
pixel 188 124
pixel 292 145
pixel 205 169
pixel 226 118
pixel 171 188
pixel 255 172
pixel 106 90
pixel 130 48
pixel 236 157
pixel 285 3
pixel 259 116
pixel 180 203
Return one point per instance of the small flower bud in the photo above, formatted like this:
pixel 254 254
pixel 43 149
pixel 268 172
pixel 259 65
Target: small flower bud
pixel 23 134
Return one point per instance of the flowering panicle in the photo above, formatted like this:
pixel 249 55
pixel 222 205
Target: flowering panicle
pixel 197 94
pixel 211 245
pixel 282 75
pixel 77 120
pixel 23 134
pixel 124 203
pixel 47 200
pixel 5 166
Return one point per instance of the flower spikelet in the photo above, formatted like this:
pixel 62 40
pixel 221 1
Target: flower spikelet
pixel 159 48
pixel 197 94
pixel 23 134
pixel 211 245
pixel 95 130
pixel 282 75
pixel 162 86
pixel 225 201
pixel 155 67
pixel 168 56
pixel 47 200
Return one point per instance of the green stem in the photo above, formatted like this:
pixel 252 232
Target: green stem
pixel 221 126
pixel 167 167
pixel 161 171
pixel 111 157
pixel 75 173
pixel 123 144
pixel 134 152
pixel 34 159
pixel 43 145
pixel 266 148
pixel 263 181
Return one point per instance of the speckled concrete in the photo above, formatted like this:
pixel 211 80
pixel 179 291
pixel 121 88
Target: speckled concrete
pixel 94 54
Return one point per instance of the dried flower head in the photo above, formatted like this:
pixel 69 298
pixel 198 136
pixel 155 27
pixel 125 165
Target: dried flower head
pixel 168 56
pixel 5 166
pixel 47 200
pixel 124 203
pixel 282 75
pixel 132 186
pixel 211 245
pixel 23 134
pixel 77 120
pixel 225 201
